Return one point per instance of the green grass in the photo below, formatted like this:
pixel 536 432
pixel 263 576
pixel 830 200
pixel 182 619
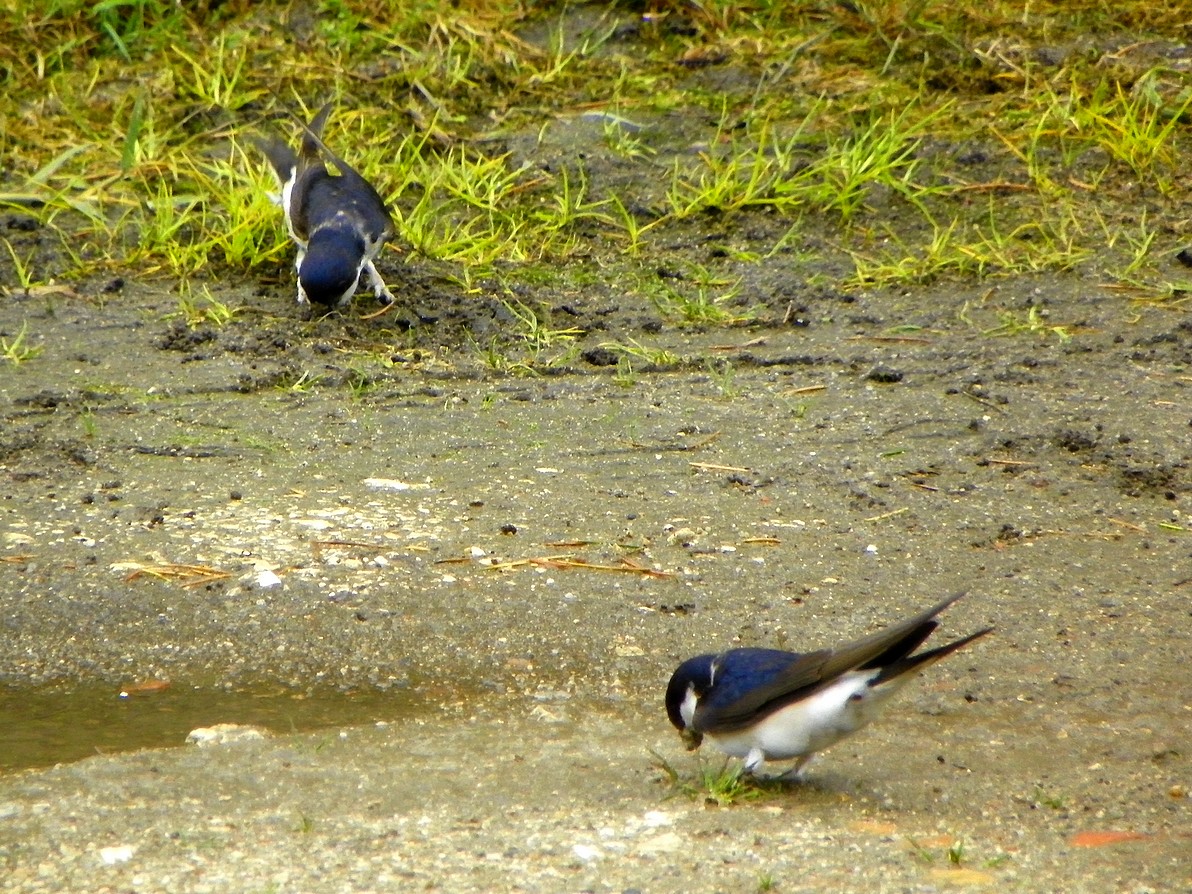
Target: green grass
pixel 530 342
pixel 700 296
pixel 305 825
pixel 17 349
pixel 21 268
pixel 723 784
pixel 204 309
pixel 634 358
pixel 129 125
pixel 300 383
pixel 87 423
pixel 722 374
pixel 958 854
pixel 1033 322
pixel 1050 800
pixel 658 358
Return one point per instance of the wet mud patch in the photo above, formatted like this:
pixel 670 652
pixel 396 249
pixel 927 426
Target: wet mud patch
pixel 44 727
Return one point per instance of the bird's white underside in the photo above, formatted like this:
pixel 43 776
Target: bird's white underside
pixel 808 725
pixel 287 191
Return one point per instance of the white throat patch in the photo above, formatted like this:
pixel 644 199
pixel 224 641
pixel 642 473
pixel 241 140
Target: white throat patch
pixel 687 709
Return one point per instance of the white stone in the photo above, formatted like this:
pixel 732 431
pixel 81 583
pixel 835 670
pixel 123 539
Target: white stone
pixel 391 484
pixel 655 818
pixel 119 854
pixel 266 579
pixel 586 852
pixel 223 734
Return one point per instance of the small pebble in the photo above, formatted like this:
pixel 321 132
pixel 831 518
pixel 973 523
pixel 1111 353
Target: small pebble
pixel 113 855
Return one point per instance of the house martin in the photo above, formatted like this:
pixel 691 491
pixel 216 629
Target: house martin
pixel 339 222
pixel 767 704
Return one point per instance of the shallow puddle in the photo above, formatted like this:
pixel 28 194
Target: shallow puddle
pixel 40 728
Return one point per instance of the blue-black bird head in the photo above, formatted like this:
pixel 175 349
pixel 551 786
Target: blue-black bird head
pixel 692 677
pixel 331 265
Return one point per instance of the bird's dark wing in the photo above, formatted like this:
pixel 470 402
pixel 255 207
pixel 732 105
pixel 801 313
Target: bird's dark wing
pixel 747 696
pixel 312 136
pixel 311 200
pixel 358 197
pixel 747 679
pixel 887 644
pixel 920 661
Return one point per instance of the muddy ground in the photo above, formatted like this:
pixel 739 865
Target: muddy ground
pixel 797 479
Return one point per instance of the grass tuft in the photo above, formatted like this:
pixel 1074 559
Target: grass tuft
pixel 722 785
pixel 17 350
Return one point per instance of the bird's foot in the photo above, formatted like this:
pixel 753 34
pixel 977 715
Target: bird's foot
pixel 793 775
pixel 754 762
pixel 755 765
pixel 797 773
pixel 384 296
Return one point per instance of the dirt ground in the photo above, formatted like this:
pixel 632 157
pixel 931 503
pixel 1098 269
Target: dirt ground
pixel 520 560
pixel 833 481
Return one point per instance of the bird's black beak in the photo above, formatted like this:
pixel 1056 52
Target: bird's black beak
pixel 691 739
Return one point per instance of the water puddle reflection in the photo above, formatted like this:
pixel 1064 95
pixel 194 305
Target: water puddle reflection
pixel 39 728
